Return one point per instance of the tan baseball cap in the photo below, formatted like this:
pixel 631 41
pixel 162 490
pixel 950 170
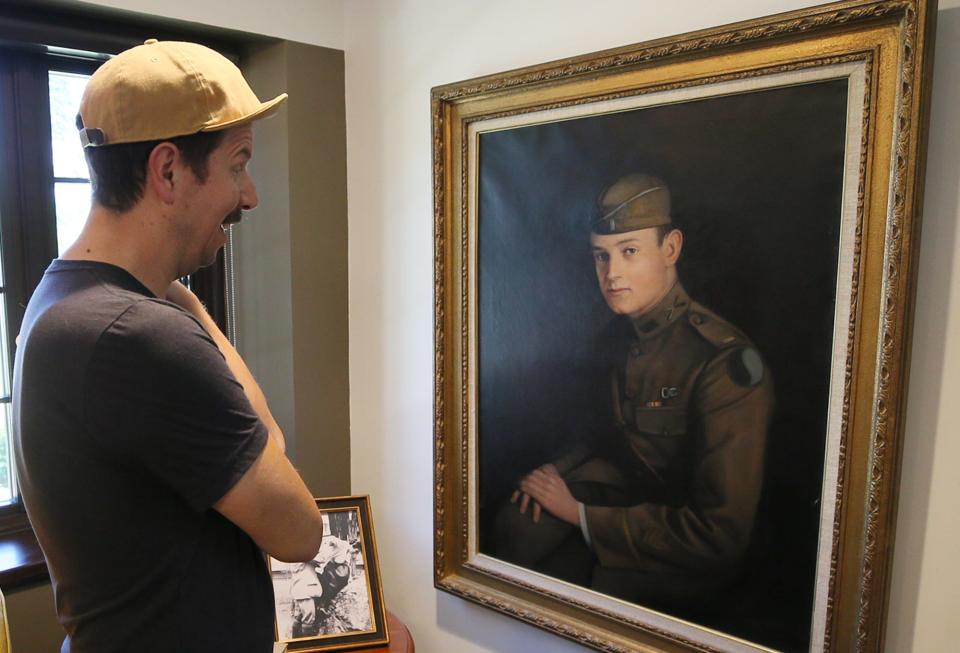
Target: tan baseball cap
pixel 164 89
pixel 637 201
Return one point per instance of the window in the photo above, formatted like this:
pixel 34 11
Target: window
pixel 71 183
pixel 72 191
pixel 44 201
pixel 28 221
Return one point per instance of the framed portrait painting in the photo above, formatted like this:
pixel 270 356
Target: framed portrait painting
pixel 674 285
pixel 335 601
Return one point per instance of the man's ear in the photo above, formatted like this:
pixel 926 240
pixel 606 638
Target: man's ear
pixel 161 167
pixel 672 244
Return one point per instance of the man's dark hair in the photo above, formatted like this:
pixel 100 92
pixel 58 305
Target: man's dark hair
pixel 118 172
pixel 662 231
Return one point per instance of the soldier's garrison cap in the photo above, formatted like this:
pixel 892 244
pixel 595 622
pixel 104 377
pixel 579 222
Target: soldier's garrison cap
pixel 637 201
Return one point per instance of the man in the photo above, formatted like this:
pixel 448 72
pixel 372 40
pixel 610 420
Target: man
pixel 149 463
pixel 660 509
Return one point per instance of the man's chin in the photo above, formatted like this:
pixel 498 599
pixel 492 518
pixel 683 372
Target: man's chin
pixel 210 260
pixel 617 305
pixel 630 310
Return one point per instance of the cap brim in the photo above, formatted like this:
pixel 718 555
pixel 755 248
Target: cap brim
pixel 266 110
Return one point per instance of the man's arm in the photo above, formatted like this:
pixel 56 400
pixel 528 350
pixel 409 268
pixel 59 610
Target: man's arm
pixel 270 502
pixel 185 299
pixel 273 506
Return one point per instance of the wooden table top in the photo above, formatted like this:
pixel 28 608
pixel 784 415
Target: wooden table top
pixel 400 639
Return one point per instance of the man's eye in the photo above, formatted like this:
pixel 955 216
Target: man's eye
pixel 629 251
pixel 601 257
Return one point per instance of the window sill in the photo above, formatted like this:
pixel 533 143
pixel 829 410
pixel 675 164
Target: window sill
pixel 21 560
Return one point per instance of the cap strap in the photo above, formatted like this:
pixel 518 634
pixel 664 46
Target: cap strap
pixel 92 137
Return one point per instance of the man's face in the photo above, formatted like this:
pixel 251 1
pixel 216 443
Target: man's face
pixel 634 270
pixel 211 206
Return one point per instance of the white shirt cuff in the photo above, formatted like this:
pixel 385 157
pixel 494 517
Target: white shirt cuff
pixel 583 523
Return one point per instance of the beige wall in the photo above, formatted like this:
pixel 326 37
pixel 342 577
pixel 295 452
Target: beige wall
pixel 318 245
pixel 291 260
pixel 318 22
pixel 33 623
pixel 395 53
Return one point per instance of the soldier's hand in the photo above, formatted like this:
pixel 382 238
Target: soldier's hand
pixel 547 488
pixel 524 498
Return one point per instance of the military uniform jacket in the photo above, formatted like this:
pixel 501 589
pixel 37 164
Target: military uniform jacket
pixel 691 398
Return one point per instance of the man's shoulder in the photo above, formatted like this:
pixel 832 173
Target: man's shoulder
pixel 85 299
pixel 150 315
pixel 153 330
pixel 716 331
pixel 731 352
pixel 95 314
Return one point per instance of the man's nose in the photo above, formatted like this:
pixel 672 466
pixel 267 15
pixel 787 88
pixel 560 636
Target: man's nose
pixel 613 268
pixel 248 196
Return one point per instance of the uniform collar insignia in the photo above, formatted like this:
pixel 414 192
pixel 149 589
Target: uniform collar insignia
pixel 673 305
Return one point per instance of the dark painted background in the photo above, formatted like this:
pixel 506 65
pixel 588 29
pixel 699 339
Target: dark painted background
pixel 756 181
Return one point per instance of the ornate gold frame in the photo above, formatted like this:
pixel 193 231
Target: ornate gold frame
pixel 894 38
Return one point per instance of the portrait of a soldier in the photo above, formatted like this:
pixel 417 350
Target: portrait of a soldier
pixel 657 507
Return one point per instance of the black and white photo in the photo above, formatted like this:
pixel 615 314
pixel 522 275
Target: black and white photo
pixel 334 600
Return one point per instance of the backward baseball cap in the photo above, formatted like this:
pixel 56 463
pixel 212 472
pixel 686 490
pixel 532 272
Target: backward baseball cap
pixel 165 89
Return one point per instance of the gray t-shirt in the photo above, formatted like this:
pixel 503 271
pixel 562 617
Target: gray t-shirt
pixel 128 427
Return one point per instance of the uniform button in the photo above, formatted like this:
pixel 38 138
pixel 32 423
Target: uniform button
pixel 696 318
pixel 635 351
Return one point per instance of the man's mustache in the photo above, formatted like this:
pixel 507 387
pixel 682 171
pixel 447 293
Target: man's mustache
pixel 234 217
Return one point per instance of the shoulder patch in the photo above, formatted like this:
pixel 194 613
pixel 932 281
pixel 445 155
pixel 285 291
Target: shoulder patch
pixel 745 366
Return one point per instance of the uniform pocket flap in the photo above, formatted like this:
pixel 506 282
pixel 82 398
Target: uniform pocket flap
pixel 661 420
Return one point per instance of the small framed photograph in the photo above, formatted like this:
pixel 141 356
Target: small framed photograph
pixel 334 601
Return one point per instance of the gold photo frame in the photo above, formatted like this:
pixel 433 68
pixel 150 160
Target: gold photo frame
pixel 793 150
pixel 335 601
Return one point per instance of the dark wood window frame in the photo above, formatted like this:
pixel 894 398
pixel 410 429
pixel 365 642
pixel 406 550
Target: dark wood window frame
pixel 33 41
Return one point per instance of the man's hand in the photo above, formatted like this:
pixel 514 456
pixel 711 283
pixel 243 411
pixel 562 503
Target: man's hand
pixel 547 489
pixel 524 498
pixel 180 295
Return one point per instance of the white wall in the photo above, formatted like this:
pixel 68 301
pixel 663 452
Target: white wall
pixel 925 594
pixel 395 52
pixel 318 22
